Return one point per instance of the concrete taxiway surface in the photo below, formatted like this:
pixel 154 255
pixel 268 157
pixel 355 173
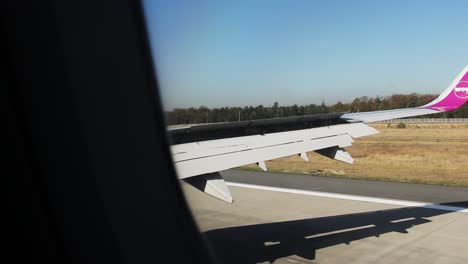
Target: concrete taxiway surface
pixel 267 226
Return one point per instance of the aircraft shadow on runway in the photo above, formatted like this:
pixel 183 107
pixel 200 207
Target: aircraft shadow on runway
pixel 268 242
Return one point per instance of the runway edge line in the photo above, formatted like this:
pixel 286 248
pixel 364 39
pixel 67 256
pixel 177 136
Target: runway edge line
pixel 351 197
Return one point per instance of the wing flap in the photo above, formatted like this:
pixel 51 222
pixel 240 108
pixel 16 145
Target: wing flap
pixel 195 150
pixel 207 158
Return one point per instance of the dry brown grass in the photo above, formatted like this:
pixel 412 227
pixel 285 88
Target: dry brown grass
pixel 420 153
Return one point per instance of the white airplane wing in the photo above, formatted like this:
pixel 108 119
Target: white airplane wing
pixel 201 151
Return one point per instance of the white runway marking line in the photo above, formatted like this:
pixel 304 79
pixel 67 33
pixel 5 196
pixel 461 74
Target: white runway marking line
pixel 351 197
pixel 340 231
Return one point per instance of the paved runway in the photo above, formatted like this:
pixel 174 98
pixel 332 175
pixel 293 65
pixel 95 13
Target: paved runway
pixel 392 190
pixel 277 227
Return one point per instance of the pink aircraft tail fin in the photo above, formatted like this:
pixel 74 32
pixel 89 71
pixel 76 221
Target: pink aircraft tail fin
pixel 454 96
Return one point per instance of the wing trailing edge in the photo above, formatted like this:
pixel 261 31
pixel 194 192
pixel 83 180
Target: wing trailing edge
pixel 197 158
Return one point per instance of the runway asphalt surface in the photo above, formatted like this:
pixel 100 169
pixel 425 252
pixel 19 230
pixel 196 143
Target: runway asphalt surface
pixel 456 196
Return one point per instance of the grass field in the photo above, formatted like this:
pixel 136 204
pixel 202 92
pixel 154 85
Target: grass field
pixel 419 153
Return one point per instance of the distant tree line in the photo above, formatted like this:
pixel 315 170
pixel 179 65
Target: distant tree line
pixel 204 114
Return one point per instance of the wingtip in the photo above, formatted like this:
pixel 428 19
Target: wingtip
pixel 455 96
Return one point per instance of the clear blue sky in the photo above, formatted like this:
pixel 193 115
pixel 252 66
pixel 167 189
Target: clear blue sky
pixel 237 53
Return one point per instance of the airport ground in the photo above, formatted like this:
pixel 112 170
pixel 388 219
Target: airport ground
pixel 420 153
pixel 314 219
